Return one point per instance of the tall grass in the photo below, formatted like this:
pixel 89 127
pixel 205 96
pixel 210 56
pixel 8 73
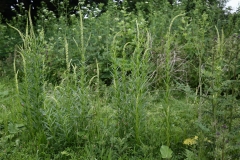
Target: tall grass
pixel 167 95
pixel 31 92
pixel 128 86
pixel 130 81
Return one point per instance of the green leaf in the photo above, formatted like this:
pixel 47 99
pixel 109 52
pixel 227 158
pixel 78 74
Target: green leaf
pixel 4 93
pixel 12 129
pixel 65 153
pixel 189 155
pixel 202 127
pixel 166 152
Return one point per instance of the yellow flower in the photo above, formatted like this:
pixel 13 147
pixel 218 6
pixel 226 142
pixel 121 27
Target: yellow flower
pixel 196 137
pixel 207 140
pixel 190 141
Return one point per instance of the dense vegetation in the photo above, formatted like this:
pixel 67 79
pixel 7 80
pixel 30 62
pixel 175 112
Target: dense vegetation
pixel 160 81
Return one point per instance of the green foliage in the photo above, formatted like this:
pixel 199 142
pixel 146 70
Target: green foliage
pixel 31 91
pixel 166 152
pixel 130 76
pixel 190 155
pixel 155 83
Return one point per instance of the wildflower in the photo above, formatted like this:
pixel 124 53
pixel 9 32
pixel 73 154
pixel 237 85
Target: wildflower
pixel 190 141
pixel 207 140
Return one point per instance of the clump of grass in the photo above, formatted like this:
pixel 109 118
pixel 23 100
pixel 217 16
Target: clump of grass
pixel 31 91
pixel 130 82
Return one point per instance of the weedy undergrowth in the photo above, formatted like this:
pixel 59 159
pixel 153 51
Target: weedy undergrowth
pixel 124 85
